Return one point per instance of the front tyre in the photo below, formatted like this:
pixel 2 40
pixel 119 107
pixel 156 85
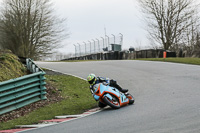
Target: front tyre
pixel 114 103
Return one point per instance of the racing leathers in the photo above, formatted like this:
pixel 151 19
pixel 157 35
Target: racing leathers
pixel 105 81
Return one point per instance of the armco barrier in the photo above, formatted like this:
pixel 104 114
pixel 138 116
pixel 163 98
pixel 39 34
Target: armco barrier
pixel 16 93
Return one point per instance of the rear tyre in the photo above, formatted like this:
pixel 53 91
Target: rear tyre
pixel 131 98
pixel 114 103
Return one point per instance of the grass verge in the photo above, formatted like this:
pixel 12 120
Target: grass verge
pixel 193 61
pixel 76 99
pixel 10 66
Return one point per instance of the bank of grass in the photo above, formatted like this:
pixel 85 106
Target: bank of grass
pixel 76 99
pixel 193 61
pixel 10 66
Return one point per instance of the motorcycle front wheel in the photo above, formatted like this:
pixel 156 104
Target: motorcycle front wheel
pixel 114 103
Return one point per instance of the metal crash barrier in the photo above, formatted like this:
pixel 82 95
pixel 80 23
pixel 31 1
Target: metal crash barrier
pixel 22 91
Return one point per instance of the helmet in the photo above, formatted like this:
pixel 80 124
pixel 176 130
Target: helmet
pixel 91 79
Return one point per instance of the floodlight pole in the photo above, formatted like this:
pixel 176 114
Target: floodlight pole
pixel 79 49
pixel 85 47
pixel 90 46
pixel 98 44
pixel 94 45
pixel 103 41
pixel 114 37
pixel 121 38
pixel 75 49
pixel 108 40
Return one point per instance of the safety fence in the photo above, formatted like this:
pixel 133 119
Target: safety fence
pixel 19 92
pixel 97 45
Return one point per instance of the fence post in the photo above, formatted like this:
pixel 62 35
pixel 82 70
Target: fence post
pixel 42 87
pixel 164 54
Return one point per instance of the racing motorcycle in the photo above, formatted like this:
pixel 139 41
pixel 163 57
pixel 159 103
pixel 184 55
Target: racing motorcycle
pixel 112 96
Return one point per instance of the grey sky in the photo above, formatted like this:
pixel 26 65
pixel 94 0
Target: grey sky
pixel 87 18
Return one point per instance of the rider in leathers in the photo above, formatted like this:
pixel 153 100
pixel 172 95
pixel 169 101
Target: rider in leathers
pixel 93 80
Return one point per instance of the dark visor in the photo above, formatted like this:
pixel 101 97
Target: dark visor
pixel 91 82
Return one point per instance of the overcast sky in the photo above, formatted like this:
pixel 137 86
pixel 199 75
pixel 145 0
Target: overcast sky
pixel 88 19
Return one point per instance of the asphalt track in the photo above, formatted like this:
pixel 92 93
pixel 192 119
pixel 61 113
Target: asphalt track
pixel 167 98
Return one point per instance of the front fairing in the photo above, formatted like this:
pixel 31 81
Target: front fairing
pixel 113 91
pixel 108 89
pixel 100 90
pixel 96 97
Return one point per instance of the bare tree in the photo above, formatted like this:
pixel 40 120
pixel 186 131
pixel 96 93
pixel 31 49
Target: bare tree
pixel 169 20
pixel 198 41
pixel 29 28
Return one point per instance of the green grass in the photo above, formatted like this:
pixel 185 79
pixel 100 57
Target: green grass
pixel 10 66
pixel 193 61
pixel 77 99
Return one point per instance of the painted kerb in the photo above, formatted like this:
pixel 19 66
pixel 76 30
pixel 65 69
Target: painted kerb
pixel 22 91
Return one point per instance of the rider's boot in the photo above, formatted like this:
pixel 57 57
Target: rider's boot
pixel 121 89
pixel 124 90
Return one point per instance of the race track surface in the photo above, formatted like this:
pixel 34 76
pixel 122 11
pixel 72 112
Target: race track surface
pixel 167 98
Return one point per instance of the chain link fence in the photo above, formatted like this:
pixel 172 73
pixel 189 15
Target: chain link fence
pixel 97 45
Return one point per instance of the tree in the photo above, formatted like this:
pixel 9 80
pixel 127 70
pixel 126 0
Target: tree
pixel 29 28
pixel 169 21
pixel 197 45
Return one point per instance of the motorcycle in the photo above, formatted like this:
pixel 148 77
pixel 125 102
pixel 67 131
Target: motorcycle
pixel 112 96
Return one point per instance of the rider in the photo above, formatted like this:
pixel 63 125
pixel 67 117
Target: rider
pixel 92 79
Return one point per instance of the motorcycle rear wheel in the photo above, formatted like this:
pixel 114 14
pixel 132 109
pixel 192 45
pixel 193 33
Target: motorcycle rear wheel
pixel 114 103
pixel 131 98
